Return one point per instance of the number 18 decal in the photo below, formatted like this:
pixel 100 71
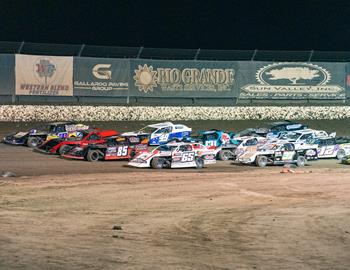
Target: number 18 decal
pixel 122 151
pixel 187 157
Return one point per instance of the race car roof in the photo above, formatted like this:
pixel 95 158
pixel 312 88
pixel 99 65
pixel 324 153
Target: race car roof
pixel 286 122
pixel 60 123
pixel 161 125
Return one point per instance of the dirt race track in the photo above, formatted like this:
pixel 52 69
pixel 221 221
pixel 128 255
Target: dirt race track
pixel 60 214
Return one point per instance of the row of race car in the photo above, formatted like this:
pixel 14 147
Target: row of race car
pixel 168 145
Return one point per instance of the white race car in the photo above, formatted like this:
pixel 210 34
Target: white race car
pixel 278 153
pixel 330 147
pixel 162 133
pixel 175 155
pixel 247 143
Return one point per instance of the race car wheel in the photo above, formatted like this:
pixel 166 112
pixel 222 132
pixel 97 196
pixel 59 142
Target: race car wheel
pixel 224 155
pixel 34 142
pixel 132 154
pixel 64 149
pixel 157 163
pixel 93 156
pixel 261 161
pixel 341 154
pixel 301 161
pixel 199 163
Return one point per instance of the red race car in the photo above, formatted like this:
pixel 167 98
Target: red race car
pixel 84 138
pixel 115 148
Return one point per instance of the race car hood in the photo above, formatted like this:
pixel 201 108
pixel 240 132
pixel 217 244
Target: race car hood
pixel 16 138
pixel 37 132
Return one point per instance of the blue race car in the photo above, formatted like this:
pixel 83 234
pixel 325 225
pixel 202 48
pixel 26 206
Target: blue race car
pixel 35 137
pixel 278 128
pixel 163 133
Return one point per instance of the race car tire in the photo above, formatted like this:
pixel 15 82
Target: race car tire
pixel 341 154
pixel 301 161
pixel 199 163
pixel 224 155
pixel 132 154
pixel 92 156
pixel 34 142
pixel 261 161
pixel 157 163
pixel 64 149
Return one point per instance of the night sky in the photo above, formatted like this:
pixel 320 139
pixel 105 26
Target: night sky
pixel 245 24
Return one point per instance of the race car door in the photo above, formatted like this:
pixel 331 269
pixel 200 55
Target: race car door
pixel 117 152
pixel 183 157
pixel 327 148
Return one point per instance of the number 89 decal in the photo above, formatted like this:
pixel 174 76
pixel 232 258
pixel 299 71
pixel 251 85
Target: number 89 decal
pixel 187 157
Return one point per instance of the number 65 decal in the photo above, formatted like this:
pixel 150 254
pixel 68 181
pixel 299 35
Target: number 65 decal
pixel 187 157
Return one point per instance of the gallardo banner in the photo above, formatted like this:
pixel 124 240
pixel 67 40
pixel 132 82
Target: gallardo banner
pixel 292 80
pixel 44 75
pixel 101 77
pixel 181 78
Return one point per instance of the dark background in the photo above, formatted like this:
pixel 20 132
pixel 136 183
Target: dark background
pixel 245 24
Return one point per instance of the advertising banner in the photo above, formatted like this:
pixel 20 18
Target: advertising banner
pixel 348 80
pixel 182 78
pixel 291 80
pixel 7 74
pixel 101 77
pixel 44 75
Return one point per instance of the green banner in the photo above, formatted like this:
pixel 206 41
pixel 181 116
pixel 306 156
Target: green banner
pixel 7 74
pixel 291 80
pixel 164 78
pixel 101 77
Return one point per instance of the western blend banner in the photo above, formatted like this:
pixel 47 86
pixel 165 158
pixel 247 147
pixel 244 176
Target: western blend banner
pixel 163 78
pixel 101 77
pixel 44 75
pixel 291 80
pixel 7 74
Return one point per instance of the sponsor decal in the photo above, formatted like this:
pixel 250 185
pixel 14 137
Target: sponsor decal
pixel 293 80
pixel 102 80
pixel 46 75
pixel 188 79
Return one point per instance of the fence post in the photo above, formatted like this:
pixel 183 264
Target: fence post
pixel 81 50
pixel 20 47
pixel 310 56
pixel 253 56
pixel 139 53
pixel 197 53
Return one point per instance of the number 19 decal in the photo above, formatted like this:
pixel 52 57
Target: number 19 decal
pixel 187 157
pixel 122 151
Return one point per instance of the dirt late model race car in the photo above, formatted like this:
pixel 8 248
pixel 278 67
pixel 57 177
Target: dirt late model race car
pixel 115 148
pixel 278 154
pixel 162 133
pixel 175 155
pixel 330 147
pixel 278 128
pixel 35 137
pixel 84 138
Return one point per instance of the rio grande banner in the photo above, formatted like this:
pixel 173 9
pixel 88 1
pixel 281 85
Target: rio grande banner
pixel 101 77
pixel 163 78
pixel 291 80
pixel 44 75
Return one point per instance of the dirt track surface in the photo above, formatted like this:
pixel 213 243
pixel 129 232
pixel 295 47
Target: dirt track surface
pixel 256 220
pixel 59 214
